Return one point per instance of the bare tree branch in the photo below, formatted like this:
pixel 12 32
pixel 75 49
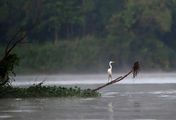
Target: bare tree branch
pixel 13 38
pixel 16 42
pixel 18 38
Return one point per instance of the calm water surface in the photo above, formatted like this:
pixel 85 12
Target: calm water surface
pixel 68 79
pixel 134 101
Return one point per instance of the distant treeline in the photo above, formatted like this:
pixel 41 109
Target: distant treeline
pixel 91 55
pixel 83 35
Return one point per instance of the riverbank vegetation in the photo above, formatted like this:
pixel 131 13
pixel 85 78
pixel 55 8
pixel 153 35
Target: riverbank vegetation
pixel 76 36
pixel 73 35
pixel 92 55
pixel 45 91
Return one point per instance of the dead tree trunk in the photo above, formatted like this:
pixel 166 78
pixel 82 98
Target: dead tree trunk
pixel 133 71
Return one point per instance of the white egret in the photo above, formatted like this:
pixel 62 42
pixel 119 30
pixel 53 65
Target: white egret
pixel 110 71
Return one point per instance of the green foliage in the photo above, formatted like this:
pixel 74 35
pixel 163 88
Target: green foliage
pixel 92 55
pixel 66 56
pixel 122 30
pixel 45 91
pixel 7 65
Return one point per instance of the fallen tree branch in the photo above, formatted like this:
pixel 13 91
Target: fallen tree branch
pixel 39 84
pixel 134 71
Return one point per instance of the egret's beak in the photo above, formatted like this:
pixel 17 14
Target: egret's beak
pixel 113 62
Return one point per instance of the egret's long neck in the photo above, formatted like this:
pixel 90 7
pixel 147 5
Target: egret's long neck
pixel 110 66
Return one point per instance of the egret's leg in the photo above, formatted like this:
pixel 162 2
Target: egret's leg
pixel 110 77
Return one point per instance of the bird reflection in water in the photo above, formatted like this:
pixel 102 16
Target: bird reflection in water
pixel 111 111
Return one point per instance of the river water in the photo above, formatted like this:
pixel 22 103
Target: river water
pixel 148 97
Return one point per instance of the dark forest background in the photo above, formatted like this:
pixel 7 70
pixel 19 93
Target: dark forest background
pixel 84 35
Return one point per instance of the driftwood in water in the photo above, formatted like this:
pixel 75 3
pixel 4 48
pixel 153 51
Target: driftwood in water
pixel 134 71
